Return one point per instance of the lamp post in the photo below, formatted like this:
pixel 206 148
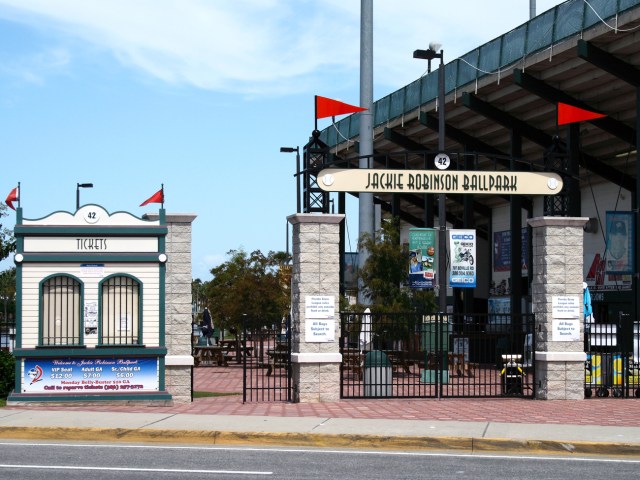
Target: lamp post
pixel 430 54
pixel 297 150
pixel 81 185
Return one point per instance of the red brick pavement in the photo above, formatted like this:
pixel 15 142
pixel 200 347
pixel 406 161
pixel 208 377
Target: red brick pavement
pixel 594 411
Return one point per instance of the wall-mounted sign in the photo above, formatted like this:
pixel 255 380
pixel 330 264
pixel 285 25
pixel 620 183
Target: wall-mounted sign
pixel 90 375
pixel 91 318
pixel 566 306
pixel 565 330
pixel 90 244
pixel 318 306
pixel 94 270
pixel 620 242
pixel 321 331
pixel 425 181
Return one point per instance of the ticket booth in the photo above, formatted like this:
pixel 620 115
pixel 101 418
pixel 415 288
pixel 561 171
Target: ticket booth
pixel 90 296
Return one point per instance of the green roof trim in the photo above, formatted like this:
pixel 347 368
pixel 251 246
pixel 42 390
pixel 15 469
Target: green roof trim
pixel 111 351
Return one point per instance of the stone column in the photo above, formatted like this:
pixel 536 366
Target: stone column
pixel 316 273
pixel 179 361
pixel 557 272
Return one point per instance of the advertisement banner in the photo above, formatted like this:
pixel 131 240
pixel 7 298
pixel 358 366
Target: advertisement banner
pixel 422 257
pixel 90 375
pixel 620 241
pixel 462 245
pixel 502 250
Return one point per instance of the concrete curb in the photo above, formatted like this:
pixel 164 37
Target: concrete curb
pixel 199 437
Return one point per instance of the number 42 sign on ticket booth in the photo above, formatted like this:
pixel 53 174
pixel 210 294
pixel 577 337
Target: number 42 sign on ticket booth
pixel 320 324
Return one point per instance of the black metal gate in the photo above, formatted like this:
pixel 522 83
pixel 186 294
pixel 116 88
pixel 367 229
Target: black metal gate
pixel 613 358
pixel 267 364
pixel 407 355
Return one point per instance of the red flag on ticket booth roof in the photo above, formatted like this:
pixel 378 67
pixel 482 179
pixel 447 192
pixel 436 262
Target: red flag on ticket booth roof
pixel 157 197
pixel 14 196
pixel 570 114
pixel 326 107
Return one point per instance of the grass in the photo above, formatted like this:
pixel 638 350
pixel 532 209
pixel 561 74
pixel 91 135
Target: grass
pixel 212 394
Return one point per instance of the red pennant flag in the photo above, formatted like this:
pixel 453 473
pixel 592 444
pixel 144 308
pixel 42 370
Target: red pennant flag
pixel 13 196
pixel 157 197
pixel 326 107
pixel 570 114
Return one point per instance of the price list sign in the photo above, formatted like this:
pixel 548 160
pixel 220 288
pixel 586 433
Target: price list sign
pixel 90 375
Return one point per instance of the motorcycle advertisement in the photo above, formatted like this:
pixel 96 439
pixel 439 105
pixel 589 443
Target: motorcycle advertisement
pixel 462 245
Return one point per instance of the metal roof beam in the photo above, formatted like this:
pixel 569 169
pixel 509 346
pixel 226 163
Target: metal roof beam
pixel 403 141
pixel 538 136
pixel 554 95
pixel 609 63
pixel 473 143
pixel 472 102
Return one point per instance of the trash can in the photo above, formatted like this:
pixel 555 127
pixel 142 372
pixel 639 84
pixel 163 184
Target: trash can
pixel 377 374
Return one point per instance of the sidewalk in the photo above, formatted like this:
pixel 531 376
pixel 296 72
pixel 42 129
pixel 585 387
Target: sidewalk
pixel 604 426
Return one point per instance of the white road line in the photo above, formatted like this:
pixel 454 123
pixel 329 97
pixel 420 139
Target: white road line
pixel 126 469
pixel 560 457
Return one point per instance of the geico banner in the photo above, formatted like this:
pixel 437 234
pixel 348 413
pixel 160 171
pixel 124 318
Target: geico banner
pixel 462 249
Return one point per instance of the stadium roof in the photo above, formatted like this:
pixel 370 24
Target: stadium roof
pixel 584 53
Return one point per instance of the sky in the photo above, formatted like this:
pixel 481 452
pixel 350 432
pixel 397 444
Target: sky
pixel 199 96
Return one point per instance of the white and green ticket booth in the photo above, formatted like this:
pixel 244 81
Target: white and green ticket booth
pixel 90 307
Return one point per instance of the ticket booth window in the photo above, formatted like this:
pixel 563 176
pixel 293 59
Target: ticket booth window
pixel 120 311
pixel 61 311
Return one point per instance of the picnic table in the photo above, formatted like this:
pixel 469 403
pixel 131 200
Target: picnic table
pixel 209 354
pixel 278 357
pixel 236 347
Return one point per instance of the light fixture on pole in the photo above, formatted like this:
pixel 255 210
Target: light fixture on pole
pixel 430 54
pixel 81 185
pixel 297 150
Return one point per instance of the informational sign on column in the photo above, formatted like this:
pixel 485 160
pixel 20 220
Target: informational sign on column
pixel 320 323
pixel 566 306
pixel 565 330
pixel 566 311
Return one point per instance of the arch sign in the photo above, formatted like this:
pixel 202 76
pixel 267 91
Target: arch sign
pixel 433 181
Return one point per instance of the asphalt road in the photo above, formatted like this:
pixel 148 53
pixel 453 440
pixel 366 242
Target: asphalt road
pixel 71 461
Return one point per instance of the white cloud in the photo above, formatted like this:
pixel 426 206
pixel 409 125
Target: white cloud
pixel 270 46
pixel 34 68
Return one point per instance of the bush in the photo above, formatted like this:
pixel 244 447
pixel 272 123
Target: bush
pixel 7 373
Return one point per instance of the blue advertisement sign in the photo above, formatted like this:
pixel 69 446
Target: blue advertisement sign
pixel 620 240
pixel 90 375
pixel 502 250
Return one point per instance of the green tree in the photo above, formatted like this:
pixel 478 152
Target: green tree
pixel 198 295
pixel 7 242
pixel 249 286
pixel 8 291
pixel 385 273
pixel 7 373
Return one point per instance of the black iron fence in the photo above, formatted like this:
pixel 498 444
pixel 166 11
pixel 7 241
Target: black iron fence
pixel 613 358
pixel 7 334
pixel 439 355
pixel 266 364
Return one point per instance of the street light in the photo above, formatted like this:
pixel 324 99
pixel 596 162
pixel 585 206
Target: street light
pixel 81 185
pixel 430 54
pixel 297 150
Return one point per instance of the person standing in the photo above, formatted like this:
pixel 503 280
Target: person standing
pixel 207 325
